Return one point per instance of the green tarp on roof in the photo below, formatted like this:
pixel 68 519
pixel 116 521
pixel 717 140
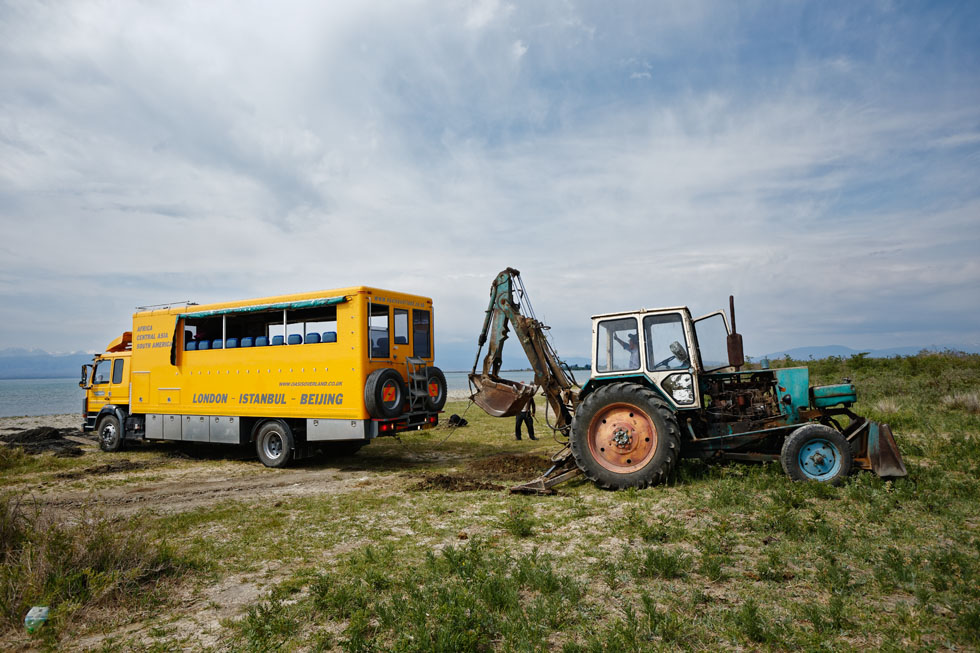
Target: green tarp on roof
pixel 257 308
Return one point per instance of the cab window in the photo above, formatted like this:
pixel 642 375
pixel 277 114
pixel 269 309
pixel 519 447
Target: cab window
pixel 102 371
pixel 665 342
pixel 117 370
pixel 618 346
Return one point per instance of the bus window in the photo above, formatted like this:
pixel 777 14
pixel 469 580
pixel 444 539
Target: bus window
pixel 378 331
pixel 401 326
pixel 420 333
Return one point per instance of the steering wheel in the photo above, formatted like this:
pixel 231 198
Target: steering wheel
pixel 664 361
pixel 677 351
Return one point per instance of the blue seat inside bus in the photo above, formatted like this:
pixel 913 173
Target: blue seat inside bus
pixel 262 341
pixel 203 344
pixel 247 341
pixel 217 344
pixel 277 340
pixel 190 345
pixel 295 339
pixel 312 338
pixel 231 343
pixel 329 336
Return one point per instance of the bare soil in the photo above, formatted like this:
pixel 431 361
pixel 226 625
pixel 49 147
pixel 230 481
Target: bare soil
pixel 453 483
pixel 62 442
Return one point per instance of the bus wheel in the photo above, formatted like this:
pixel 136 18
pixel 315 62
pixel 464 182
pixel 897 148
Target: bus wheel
pixel 384 393
pixel 110 435
pixel 274 444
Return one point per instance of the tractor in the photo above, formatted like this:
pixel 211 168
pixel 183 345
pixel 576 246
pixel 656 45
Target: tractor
pixel 664 386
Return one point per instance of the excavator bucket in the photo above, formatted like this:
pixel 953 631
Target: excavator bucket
pixel 877 451
pixel 500 397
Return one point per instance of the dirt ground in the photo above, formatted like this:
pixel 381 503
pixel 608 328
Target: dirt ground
pixel 168 478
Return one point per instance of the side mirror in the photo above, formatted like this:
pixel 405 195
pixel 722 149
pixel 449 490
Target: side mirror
pixel 736 357
pixel 84 382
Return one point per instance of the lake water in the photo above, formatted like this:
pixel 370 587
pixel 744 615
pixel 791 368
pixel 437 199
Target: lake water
pixel 40 397
pixel 61 396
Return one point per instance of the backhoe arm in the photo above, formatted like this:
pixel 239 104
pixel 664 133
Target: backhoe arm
pixel 501 397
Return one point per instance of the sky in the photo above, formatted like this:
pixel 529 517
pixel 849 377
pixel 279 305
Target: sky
pixel 818 160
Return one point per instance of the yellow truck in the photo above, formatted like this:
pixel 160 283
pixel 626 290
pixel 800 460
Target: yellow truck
pixel 294 374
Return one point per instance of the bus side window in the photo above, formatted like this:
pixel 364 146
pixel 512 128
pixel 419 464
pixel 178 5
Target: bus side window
pixel 401 326
pixel 420 334
pixel 378 331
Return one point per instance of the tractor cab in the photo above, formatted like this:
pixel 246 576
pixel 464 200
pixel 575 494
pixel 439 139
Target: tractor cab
pixel 667 347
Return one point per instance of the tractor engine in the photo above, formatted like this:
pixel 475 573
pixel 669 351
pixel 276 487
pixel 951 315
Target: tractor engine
pixel 747 399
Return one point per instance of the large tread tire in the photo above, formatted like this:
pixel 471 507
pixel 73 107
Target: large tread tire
pixel 274 444
pixel 624 435
pixel 110 433
pixel 384 393
pixel 436 389
pixel 816 452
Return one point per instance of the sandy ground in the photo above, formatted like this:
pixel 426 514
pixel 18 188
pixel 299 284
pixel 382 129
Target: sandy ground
pixel 73 421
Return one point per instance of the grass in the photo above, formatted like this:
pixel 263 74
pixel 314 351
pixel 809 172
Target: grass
pixel 723 557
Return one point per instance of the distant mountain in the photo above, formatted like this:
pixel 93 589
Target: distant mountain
pixel 39 364
pixel 825 351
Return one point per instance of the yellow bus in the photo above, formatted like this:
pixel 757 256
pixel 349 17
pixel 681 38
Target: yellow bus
pixel 294 374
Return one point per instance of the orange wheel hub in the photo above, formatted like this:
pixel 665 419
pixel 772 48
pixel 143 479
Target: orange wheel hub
pixel 622 438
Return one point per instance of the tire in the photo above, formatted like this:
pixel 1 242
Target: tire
pixel 815 452
pixel 624 435
pixel 340 449
pixel 384 393
pixel 274 444
pixel 110 435
pixel 436 391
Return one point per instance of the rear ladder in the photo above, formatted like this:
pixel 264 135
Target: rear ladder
pixel 418 389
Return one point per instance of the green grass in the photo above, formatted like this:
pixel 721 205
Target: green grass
pixel 723 557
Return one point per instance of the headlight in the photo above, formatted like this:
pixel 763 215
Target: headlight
pixel 680 387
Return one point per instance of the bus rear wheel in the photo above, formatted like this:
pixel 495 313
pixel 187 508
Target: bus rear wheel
pixel 274 444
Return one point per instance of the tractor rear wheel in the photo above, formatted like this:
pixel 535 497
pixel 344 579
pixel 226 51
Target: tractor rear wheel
pixel 624 435
pixel 815 452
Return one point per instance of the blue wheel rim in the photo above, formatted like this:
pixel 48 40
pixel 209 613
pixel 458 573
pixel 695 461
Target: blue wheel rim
pixel 819 460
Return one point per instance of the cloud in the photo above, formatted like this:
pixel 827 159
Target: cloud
pixel 152 153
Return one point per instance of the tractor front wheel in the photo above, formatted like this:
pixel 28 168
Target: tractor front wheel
pixel 624 435
pixel 815 452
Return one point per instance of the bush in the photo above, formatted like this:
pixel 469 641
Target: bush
pixel 72 566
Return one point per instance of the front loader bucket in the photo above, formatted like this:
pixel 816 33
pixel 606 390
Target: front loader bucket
pixel 877 451
pixel 501 398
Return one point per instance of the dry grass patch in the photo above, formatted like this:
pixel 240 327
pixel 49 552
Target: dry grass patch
pixel 968 401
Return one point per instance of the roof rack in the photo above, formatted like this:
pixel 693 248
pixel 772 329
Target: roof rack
pixel 151 307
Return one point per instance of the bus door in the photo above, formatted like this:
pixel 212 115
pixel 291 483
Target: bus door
pixel 100 389
pixel 118 393
pixel 400 346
